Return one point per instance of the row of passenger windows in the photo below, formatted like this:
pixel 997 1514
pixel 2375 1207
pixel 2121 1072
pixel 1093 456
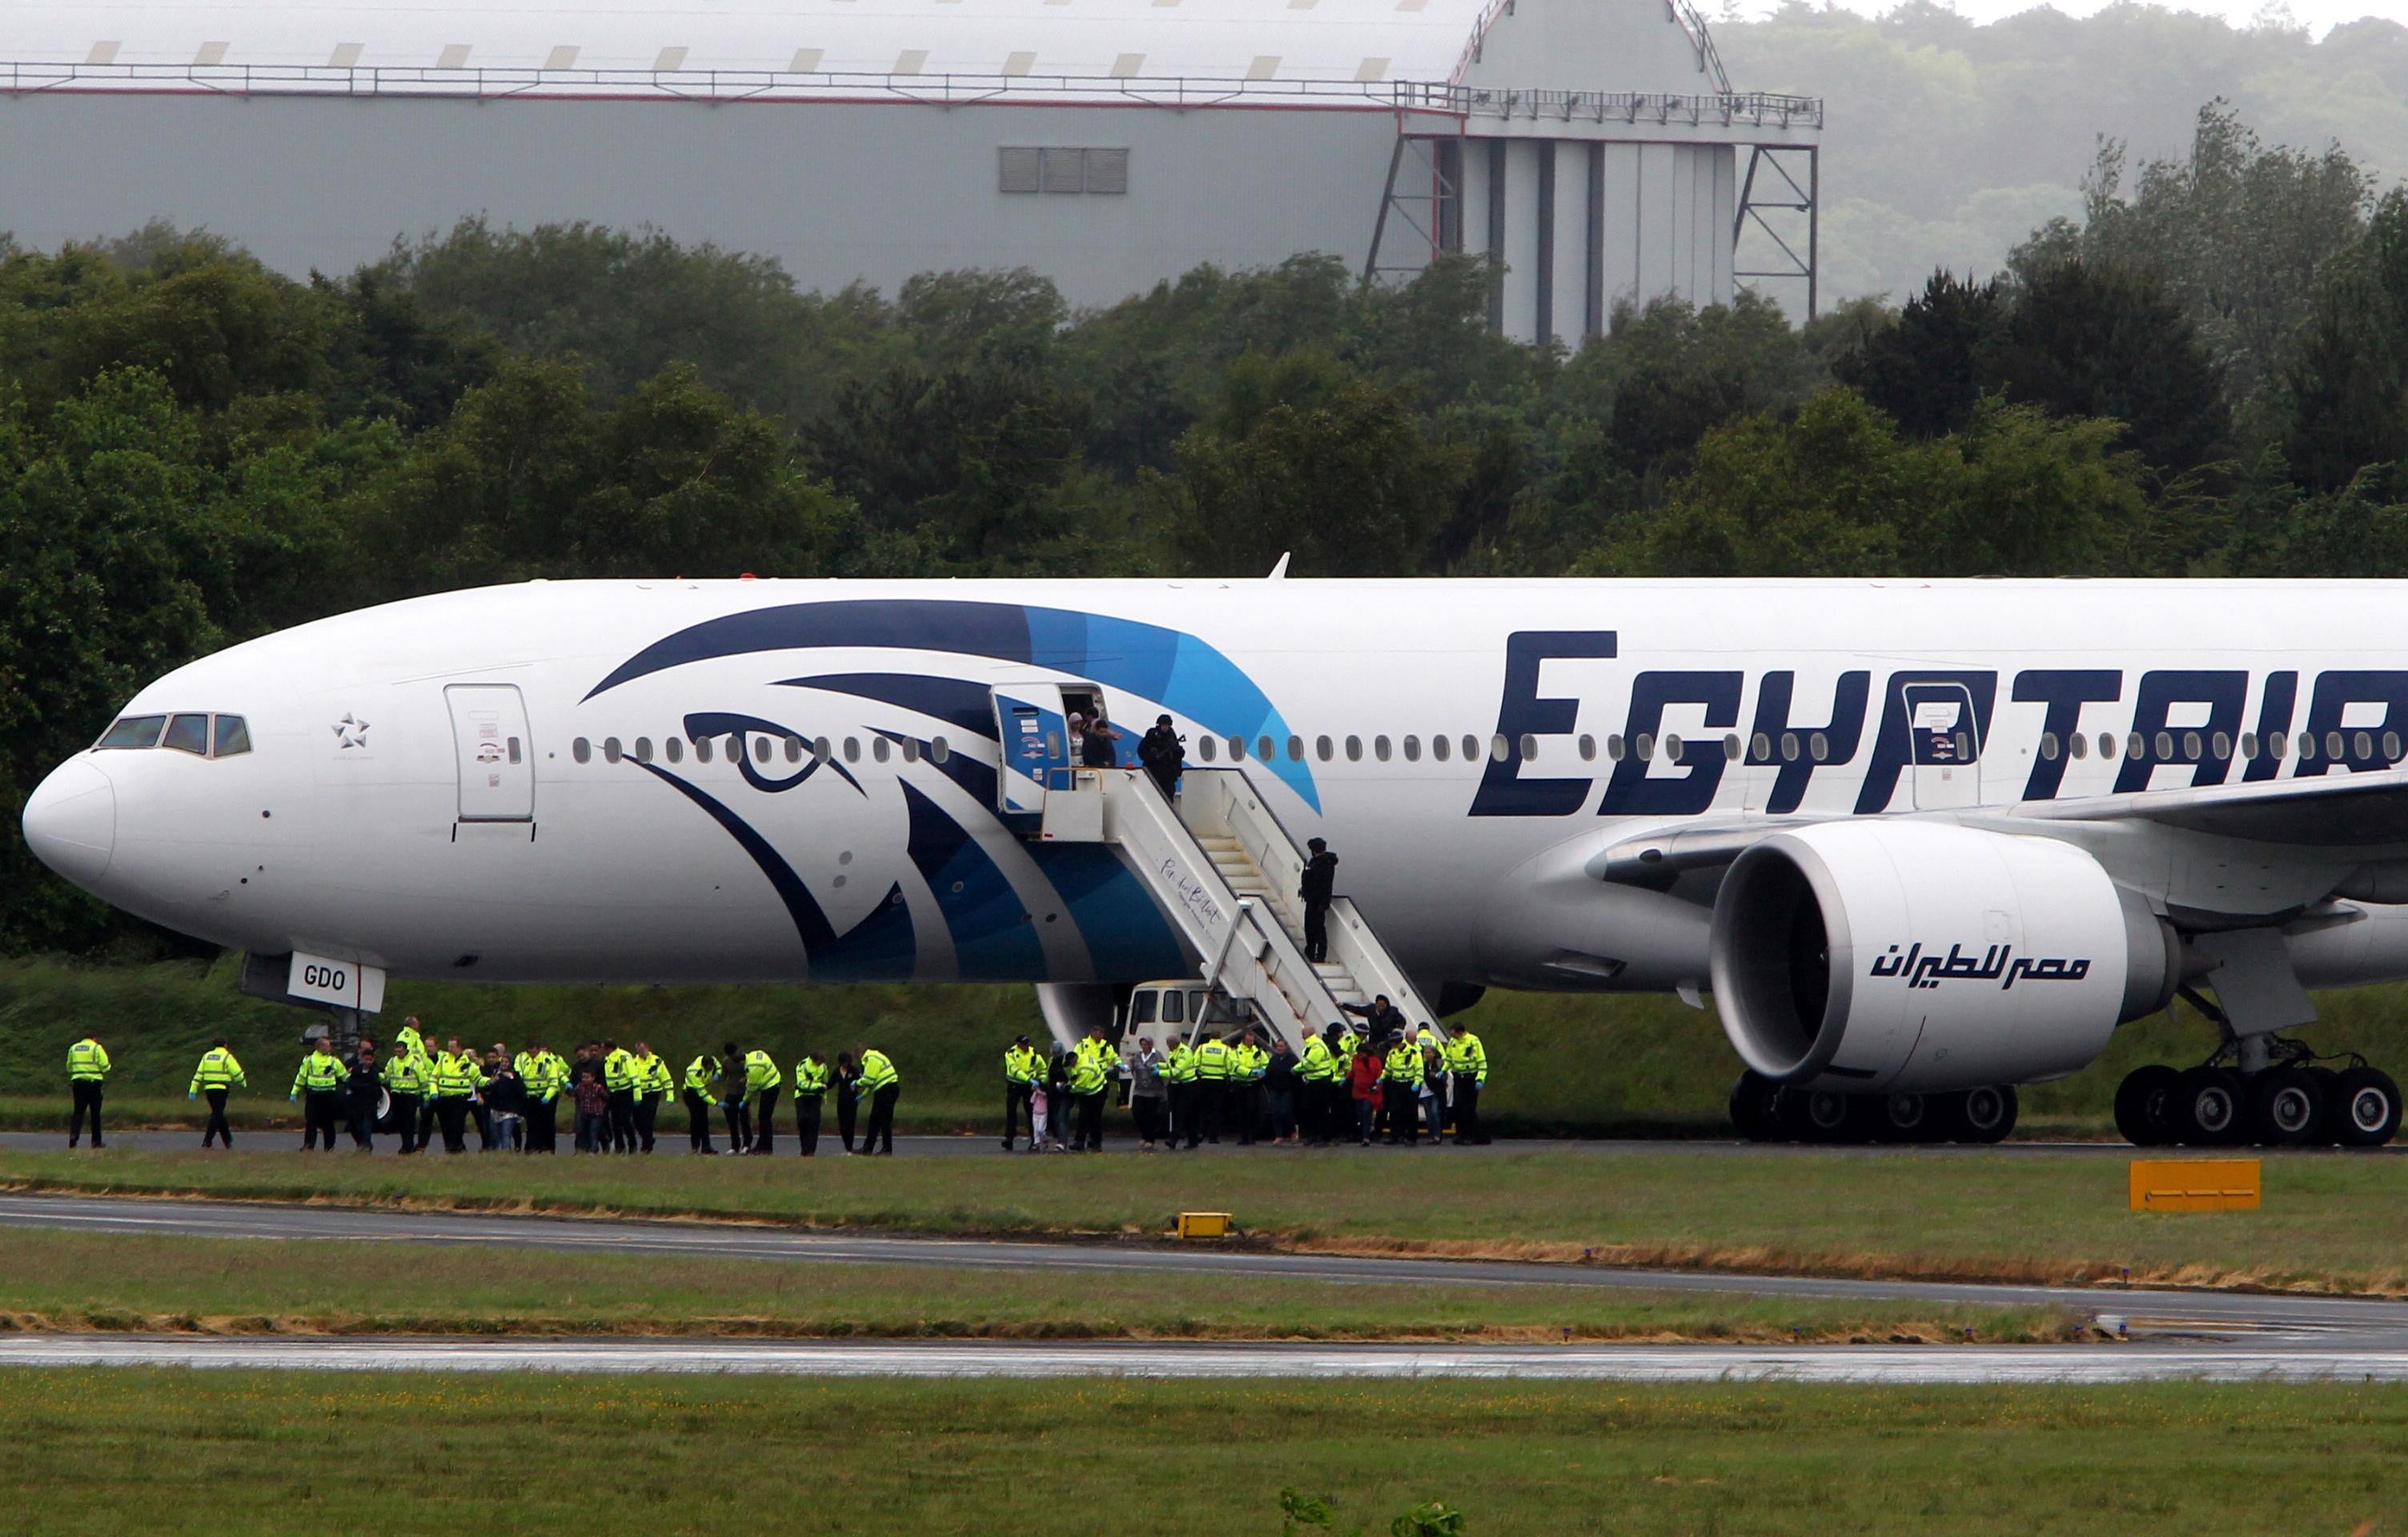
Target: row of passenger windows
pixel 188 733
pixel 764 748
pixel 1814 746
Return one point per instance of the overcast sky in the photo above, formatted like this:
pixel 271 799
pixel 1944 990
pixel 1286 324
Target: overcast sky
pixel 2317 16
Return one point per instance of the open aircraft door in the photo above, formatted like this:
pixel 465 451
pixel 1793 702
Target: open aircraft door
pixel 1030 723
pixel 489 733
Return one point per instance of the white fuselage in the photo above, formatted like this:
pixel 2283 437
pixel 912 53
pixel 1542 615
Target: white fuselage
pixel 364 824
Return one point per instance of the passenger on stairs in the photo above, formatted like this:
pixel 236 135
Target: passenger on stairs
pixel 1099 743
pixel 1164 753
pixel 1318 889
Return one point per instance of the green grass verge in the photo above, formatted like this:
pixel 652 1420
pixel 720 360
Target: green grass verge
pixel 2329 1222
pixel 1563 1065
pixel 84 1281
pixel 301 1453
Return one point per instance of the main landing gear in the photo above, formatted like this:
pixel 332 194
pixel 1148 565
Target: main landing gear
pixel 2293 1102
pixel 1765 1111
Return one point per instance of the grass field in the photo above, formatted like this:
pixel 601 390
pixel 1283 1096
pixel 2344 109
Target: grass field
pixel 2329 1222
pixel 81 1280
pixel 1563 1065
pixel 301 1453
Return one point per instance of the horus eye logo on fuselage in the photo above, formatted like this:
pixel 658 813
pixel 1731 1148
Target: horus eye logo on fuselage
pixel 1997 963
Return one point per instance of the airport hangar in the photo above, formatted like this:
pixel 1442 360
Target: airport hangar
pixel 1594 146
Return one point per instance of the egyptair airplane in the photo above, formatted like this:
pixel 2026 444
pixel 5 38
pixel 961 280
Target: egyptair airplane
pixel 1920 842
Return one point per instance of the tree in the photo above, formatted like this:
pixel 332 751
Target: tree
pixel 1304 455
pixel 1928 370
pixel 2345 377
pixel 2087 339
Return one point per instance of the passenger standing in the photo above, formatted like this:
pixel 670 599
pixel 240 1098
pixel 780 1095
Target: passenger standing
pixel 1318 888
pixel 810 1089
pixel 1363 1081
pixel 1149 1093
pixel 761 1082
pixel 1403 1072
pixel 320 1077
pixel 1040 1106
pixel 1212 1067
pixel 736 1103
pixel 1178 1076
pixel 848 1097
pixel 1466 1062
pixel 87 1070
pixel 1280 1088
pixel 1022 1071
pixel 883 1083
pixel 651 1087
pixel 360 1094
pixel 505 1102
pixel 218 1074
pixel 405 1081
pixel 1164 753
pixel 592 1094
pixel 1434 1087
pixel 701 1075
pixel 1090 1076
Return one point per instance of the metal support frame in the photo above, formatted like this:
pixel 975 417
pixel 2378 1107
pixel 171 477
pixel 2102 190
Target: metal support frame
pixel 1434 216
pixel 1801 205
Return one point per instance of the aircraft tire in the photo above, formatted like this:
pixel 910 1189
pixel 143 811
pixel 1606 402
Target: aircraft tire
pixel 2369 1114
pixel 1982 1115
pixel 1906 1118
pixel 2328 1088
pixel 1756 1107
pixel 2208 1108
pixel 2141 1101
pixel 2286 1108
pixel 1819 1115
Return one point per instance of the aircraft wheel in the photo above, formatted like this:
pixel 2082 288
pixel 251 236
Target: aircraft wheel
pixel 2328 1094
pixel 2369 1112
pixel 2207 1109
pixel 1818 1115
pixel 2286 1108
pixel 1756 1107
pixel 2142 1102
pixel 1906 1118
pixel 1985 1115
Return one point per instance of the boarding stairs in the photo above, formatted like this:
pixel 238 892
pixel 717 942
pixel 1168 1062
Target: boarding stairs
pixel 1222 866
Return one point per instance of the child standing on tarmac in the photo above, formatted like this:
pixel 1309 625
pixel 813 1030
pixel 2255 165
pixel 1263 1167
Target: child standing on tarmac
pixel 1036 1116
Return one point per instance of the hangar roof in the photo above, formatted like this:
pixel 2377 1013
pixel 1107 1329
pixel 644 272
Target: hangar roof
pixel 1348 40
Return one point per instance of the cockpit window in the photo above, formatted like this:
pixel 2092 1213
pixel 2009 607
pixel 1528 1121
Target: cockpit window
pixel 234 736
pixel 134 731
pixel 188 734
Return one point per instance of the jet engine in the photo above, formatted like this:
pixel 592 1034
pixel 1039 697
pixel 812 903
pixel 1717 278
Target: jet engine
pixel 1921 956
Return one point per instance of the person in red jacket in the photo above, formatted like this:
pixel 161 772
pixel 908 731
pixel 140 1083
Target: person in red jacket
pixel 1363 1082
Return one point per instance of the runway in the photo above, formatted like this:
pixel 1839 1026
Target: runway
pixel 2295 1321
pixel 1890 1364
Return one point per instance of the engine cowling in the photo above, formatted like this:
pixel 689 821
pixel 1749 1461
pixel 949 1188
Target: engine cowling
pixel 1920 956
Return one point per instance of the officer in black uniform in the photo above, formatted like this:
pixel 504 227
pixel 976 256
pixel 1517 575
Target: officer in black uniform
pixel 1318 889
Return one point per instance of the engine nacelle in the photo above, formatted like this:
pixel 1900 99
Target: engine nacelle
pixel 1922 957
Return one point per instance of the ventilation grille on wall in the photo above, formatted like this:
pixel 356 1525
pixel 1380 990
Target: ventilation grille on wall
pixel 1093 172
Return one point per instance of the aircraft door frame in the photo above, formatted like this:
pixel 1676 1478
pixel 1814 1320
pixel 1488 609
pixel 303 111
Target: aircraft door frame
pixel 1945 753
pixel 492 752
pixel 1033 743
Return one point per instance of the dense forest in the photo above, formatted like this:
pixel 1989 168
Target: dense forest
pixel 1946 141
pixel 2206 371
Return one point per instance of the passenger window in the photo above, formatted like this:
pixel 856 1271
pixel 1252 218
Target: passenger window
pixel 1320 745
pixel 1588 749
pixel 643 749
pixel 734 749
pixel 2165 747
pixel 911 750
pixel 793 749
pixel 1673 748
pixel 1442 748
pixel 2191 745
pixel 1380 748
pixel 1762 747
pixel 822 750
pixel 939 752
pixel 852 748
pixel 878 748
pixel 188 734
pixel 760 749
pixel 234 736
pixel 582 750
pixel 610 752
pixel 1818 747
pixel 675 747
pixel 1614 746
pixel 1471 747
pixel 1237 750
pixel 702 749
pixel 2048 746
pixel 1208 748
pixel 2390 745
pixel 1789 747
pixel 1529 748
pixel 1268 749
pixel 2249 744
pixel 1412 748
pixel 1730 748
pixel 1500 749
pixel 134 731
pixel 2107 744
pixel 1353 749
pixel 2332 739
pixel 1644 747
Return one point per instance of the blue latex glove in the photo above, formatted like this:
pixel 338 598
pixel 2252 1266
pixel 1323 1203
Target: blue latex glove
pixel 189 1095
pixel 293 1099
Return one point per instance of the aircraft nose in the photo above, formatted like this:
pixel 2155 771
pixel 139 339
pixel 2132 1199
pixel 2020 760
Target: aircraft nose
pixel 71 821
